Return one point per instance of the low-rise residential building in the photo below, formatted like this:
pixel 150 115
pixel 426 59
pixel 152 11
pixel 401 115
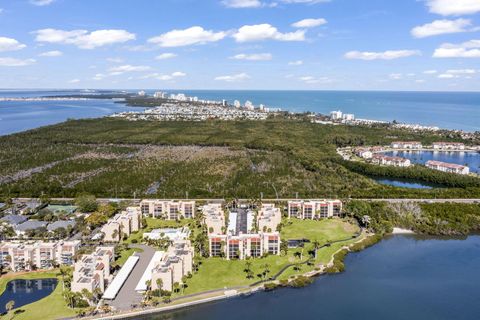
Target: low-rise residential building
pixel 169 210
pixel 448 146
pixel 447 167
pixel 391 161
pixel 20 256
pixel 406 145
pixel 174 264
pixel 268 218
pixel 240 241
pixel 171 234
pixel 122 224
pixel 364 153
pixel 314 209
pixel 92 271
pixel 214 218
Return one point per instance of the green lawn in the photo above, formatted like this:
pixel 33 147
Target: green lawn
pixel 322 231
pixel 125 254
pixel 49 308
pixel 217 273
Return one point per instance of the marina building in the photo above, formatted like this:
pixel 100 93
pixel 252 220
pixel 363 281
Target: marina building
pixel 169 210
pixel 406 145
pixel 92 271
pixel 447 167
pixel 364 153
pixel 314 209
pixel 448 146
pixel 391 161
pixel 27 256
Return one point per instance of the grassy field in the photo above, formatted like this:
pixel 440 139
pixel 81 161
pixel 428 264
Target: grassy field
pixel 49 308
pixel 217 273
pixel 211 159
pixel 125 254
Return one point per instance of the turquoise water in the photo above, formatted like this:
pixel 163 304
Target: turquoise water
pixel 470 159
pixel 402 277
pixel 446 110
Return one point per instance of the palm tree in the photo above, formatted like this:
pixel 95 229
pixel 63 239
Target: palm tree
pixel 266 269
pixel 176 286
pixel 159 283
pixel 9 306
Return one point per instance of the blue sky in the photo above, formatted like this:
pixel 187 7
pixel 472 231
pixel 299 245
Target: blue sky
pixel 241 44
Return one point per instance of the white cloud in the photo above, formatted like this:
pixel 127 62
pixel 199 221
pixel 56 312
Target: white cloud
pixel 446 76
pixel 13 62
pixel 9 44
pixel 164 77
pixel 178 74
pixel 99 76
pixel 430 72
pixel 84 39
pixel 386 55
pixel 395 76
pixel 266 31
pixel 115 60
pixel 461 71
pixel 305 1
pixel 165 56
pixel 54 53
pixel 295 63
pixel 233 78
pixel 313 80
pixel 242 3
pixel 253 57
pixel 469 49
pixel 453 7
pixel 191 36
pixel 41 2
pixel 74 81
pixel 441 27
pixel 127 68
pixel 309 23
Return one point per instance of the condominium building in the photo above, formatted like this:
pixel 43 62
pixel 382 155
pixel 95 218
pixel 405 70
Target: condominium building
pixel 92 271
pixel 364 153
pixel 19 256
pixel 122 224
pixel 240 241
pixel 406 145
pixel 448 146
pixel 391 161
pixel 169 210
pixel 268 218
pixel 173 265
pixel 447 167
pixel 214 218
pixel 314 209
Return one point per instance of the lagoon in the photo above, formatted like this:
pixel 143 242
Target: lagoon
pixel 24 292
pixel 402 277
pixel 404 183
pixel 470 159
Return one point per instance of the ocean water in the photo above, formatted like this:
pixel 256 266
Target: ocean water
pixel 450 110
pixel 446 110
pixel 402 277
pixel 469 159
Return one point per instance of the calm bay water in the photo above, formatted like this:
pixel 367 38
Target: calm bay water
pixel 403 277
pixel 404 183
pixel 470 159
pixel 446 110
pixel 23 292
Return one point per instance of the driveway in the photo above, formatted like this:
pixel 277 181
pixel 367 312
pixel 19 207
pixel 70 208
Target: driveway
pixel 127 295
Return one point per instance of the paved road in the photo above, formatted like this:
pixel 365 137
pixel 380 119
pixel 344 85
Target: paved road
pixel 280 199
pixel 127 295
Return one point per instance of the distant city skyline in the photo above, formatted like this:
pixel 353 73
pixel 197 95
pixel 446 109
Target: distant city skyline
pixel 428 45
